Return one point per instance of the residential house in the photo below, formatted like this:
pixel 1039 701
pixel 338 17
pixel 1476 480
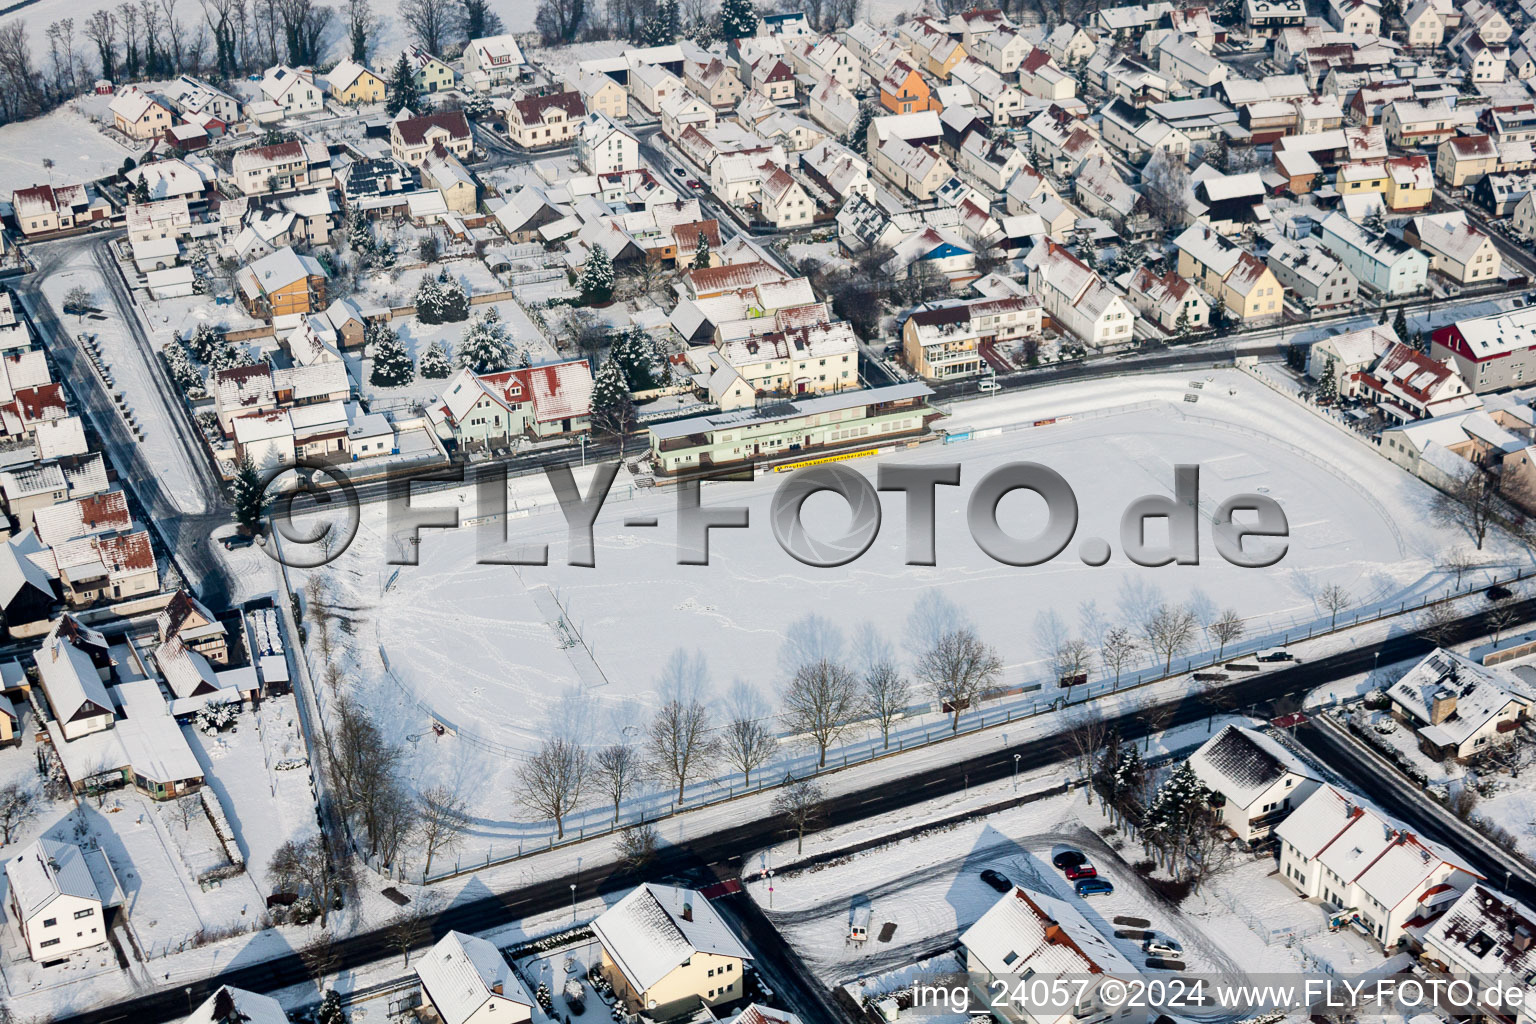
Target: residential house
pixel 282 283
pixel 1490 352
pixel 917 169
pixel 833 107
pixel 837 170
pixel 929 41
pixel 817 358
pixel 1030 935
pixel 1101 192
pixel 666 951
pixel 602 94
pixel 1255 781
pixel 1425 25
pixel 488 411
pixel 1456 247
pixel 1457 707
pixel 1041 77
pixel 781 200
pixel 188 620
pixel 432 75
pixel 231 1005
pixel 1405 384
pixel 1410 124
pixel 1063 143
pixel 1465 159
pixel 604 147
pixel 280 167
pixel 682 110
pixel 1483 61
pixel 352 83
pixel 537 122
pixel 1076 299
pixel 1367 868
pixel 443 171
pixel 412 138
pixel 1308 271
pixel 492 62
pixel 1269 17
pixel 1005 49
pixel 1484 939
pixel 1381 263
pixel 651 84
pixel 71 667
pixel 1349 357
pixel 1356 17
pixel 1185 60
pixel 58 898
pixel 42 209
pixel 1410 183
pixel 903 90
pixel 1168 300
pixel 1245 286
pixel 1500 194
pixel 946 342
pixel 715 81
pixel 139 115
pixel 467 981
pixel 292 92
pixel 201 104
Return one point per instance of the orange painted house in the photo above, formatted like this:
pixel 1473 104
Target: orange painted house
pixel 282 283
pixel 904 91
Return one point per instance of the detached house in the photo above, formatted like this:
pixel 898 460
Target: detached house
pixel 282 283
pixel 468 981
pixel 493 61
pixel 536 122
pixel 292 92
pixel 715 81
pixel 1077 300
pixel 1368 869
pixel 1169 301
pixel 432 75
pixel 1246 286
pixel 139 115
pixel 489 411
pixel 667 951
pixel 351 83
pixel 1458 708
pixel 904 91
pixel 59 897
pixel 1379 261
pixel 1456 248
pixel 945 343
pixel 1255 782
pixel 43 208
pixel 412 138
pixel 604 147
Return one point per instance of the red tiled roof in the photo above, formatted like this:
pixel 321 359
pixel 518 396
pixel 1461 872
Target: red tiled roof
pixel 413 130
pixel 533 108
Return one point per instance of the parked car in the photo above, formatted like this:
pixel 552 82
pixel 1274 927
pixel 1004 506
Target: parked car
pixel 693 183
pixel 1081 871
pixel 1275 654
pixel 679 172
pixel 1068 859
pixel 1093 887
pixel 987 384
pixel 997 880
pixel 235 541
pixel 1163 946
pixel 1498 593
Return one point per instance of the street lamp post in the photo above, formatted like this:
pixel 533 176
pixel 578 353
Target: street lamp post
pixel 583 440
pixel 573 902
pixel 1016 772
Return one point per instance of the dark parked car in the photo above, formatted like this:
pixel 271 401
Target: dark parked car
pixel 1094 887
pixel 679 172
pixel 1081 871
pixel 997 880
pixel 1498 593
pixel 1275 654
pixel 236 540
pixel 1068 859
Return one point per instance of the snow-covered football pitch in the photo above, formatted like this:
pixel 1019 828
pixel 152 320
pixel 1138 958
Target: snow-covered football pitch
pixel 507 652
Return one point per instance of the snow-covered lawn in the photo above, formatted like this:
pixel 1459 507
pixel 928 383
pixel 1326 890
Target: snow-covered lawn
pixel 522 635
pixel 79 150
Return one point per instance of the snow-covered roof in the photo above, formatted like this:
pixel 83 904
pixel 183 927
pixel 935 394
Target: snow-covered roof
pixel 1473 694
pixel 1242 764
pixel 236 1004
pixel 462 972
pixel 1485 935
pixel 1030 933
pixel 69 675
pixel 656 928
pixel 47 870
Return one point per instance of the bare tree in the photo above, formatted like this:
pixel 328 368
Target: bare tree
pixel 959 669
pixel 309 867
pixel 801 804
pixel 682 746
pixel 79 300
pixel 821 701
pixel 18 806
pixel 1500 617
pixel 1117 649
pixel 429 22
pixel 1228 628
pixel 441 816
pixel 185 809
pixel 1471 503
pixel 637 845
pixel 559 21
pixel 554 780
pixel 367 769
pixel 1165 187
pixel 1071 659
pixel 361 25
pixel 886 694
pixel 615 770
pixel 1458 561
pixel 405 931
pixel 1334 599
pixel 1169 629
pixel 321 958
pixel 746 744
pixel 1087 742
pixel 1438 624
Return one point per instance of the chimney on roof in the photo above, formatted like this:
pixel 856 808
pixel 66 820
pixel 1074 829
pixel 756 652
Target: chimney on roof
pixel 1053 932
pixel 1442 706
pixel 687 911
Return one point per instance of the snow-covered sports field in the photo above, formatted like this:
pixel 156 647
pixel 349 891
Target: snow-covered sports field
pixel 506 652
